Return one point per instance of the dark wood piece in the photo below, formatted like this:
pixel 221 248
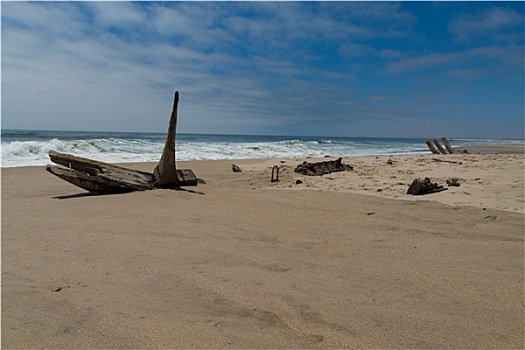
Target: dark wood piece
pixel 432 148
pixel 322 168
pixel 454 181
pixel 424 186
pixel 439 147
pixel 447 145
pixel 236 168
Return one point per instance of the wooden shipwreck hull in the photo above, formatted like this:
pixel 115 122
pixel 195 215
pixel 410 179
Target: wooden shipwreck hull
pixel 100 177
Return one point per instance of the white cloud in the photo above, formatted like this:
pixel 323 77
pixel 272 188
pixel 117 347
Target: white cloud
pixel 508 56
pixel 240 67
pixel 486 24
pixel 116 14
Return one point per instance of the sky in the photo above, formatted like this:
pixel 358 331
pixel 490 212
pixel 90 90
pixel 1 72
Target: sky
pixel 357 69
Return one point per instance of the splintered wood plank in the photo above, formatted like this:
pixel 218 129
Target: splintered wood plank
pixel 94 168
pixel 101 183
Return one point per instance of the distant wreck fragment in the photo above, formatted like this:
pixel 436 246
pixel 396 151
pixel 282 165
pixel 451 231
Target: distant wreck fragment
pixel 322 168
pixel 420 187
pixel 104 178
pixel 436 148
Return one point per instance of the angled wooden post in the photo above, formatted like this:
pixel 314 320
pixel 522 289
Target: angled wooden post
pixel 439 147
pixel 432 148
pixel 165 172
pixel 447 145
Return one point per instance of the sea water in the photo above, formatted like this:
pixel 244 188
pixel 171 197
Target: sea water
pixel 30 147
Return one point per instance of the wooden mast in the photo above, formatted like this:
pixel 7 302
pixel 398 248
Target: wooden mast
pixel 165 172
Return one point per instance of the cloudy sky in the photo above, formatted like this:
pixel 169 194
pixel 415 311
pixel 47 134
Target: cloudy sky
pixel 375 69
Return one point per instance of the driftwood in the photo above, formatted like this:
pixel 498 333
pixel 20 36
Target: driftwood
pixel 454 181
pixel 447 145
pixel 441 149
pixel 95 176
pixel 432 148
pixel 236 168
pixel 322 168
pixel 165 172
pixel 436 148
pixel 424 186
pixel 445 161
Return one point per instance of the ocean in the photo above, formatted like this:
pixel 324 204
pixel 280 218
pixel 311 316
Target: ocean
pixel 30 147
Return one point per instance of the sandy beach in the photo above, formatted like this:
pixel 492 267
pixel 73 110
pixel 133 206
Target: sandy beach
pixel 346 260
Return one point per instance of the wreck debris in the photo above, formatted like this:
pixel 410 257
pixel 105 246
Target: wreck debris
pixel 95 176
pixel 165 172
pixel 236 168
pixel 436 148
pixel 432 148
pixel 424 186
pixel 445 161
pixel 322 168
pixel 105 178
pixel 275 174
pixel 454 181
pixel 447 145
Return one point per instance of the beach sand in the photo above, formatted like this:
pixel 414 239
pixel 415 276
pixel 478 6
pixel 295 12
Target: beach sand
pixel 346 260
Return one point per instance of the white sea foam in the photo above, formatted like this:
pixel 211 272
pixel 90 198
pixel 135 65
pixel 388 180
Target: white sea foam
pixel 35 153
pixel 22 150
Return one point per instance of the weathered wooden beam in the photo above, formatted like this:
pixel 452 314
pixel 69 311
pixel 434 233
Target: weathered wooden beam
pixel 96 176
pixel 439 147
pixel 100 183
pixel 165 172
pixel 432 148
pixel 447 145
pixel 94 167
pixel 445 161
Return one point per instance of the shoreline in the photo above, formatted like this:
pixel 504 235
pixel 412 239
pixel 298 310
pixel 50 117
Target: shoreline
pixel 371 175
pixel 41 158
pixel 493 149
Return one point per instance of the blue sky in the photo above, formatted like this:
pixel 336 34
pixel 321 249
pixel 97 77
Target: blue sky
pixel 372 69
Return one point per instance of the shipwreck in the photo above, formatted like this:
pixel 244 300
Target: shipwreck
pixel 105 178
